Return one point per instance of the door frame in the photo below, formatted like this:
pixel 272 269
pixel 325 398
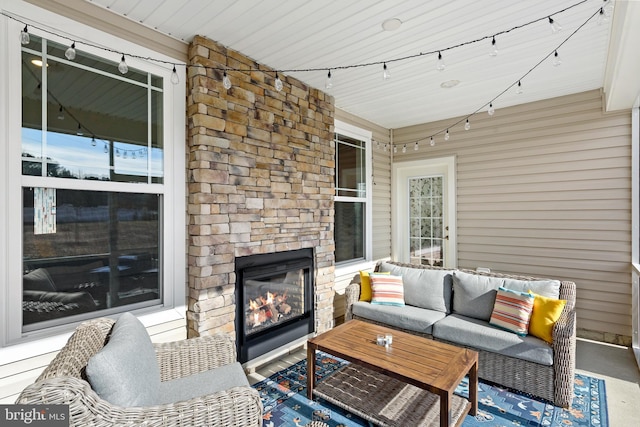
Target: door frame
pixel 400 173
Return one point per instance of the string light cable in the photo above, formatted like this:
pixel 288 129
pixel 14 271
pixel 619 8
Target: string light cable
pixel 24 36
pixel 516 83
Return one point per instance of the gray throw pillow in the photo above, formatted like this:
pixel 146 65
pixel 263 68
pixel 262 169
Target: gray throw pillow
pixel 125 371
pixel 38 280
pixel 424 287
pixel 474 295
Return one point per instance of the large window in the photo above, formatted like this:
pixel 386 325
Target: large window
pixel 89 246
pixel 352 200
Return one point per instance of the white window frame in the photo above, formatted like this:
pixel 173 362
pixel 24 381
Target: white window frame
pixel 346 129
pixel 635 229
pixel 14 344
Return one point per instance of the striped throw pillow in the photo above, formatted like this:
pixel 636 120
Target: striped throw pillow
pixel 512 311
pixel 387 289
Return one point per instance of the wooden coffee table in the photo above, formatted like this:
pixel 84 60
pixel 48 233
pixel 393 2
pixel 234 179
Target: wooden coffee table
pixel 421 362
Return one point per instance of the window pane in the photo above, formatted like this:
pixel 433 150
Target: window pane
pixel 349 231
pixel 97 127
pixel 85 251
pixel 350 163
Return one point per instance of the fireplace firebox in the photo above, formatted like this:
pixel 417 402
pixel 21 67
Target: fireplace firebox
pixel 274 301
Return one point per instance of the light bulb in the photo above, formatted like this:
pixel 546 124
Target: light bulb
pixel 329 83
pixel 491 110
pixel 174 76
pixel 446 135
pixel 24 36
pixel 278 83
pixel 440 64
pixel 122 67
pixel 106 149
pixel 93 141
pixel 133 155
pixel 61 113
pixel 556 59
pixel 70 53
pixel 432 142
pixel 117 152
pixel 386 75
pixel 467 125
pixel 79 131
pixel 395 148
pixel 124 155
pixel 404 148
pixel 519 88
pixel 385 148
pixel 494 48
pixel 602 17
pixel 555 27
pixel 415 146
pixel 226 82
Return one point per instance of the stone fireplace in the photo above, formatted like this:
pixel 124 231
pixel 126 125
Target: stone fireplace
pixel 261 181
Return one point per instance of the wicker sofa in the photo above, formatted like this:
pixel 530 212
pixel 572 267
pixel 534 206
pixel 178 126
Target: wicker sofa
pixel 506 361
pixel 65 381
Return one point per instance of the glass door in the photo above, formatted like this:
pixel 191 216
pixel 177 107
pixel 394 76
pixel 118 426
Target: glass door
pixel 426 222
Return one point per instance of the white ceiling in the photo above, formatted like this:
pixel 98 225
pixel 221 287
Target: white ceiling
pixel 306 34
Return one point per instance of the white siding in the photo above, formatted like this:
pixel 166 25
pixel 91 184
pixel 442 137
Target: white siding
pixel 545 189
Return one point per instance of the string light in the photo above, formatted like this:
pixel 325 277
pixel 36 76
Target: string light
pixel 61 113
pixel 70 53
pixel 491 110
pixel 79 131
pixel 416 146
pixel 556 59
pixel 122 67
pixel 404 148
pixel 467 125
pixel 519 90
pixel 226 82
pixel 494 48
pixel 555 27
pixel 24 36
pixel 278 83
pixel 329 83
pixel 446 135
pixel 432 142
pixel 440 64
pixel 106 148
pixel 174 76
pixel 386 75
pixel 395 148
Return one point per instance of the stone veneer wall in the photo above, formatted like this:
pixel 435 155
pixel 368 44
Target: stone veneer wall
pixel 261 180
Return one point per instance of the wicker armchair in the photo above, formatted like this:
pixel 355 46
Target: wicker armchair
pixel 64 382
pixel 553 383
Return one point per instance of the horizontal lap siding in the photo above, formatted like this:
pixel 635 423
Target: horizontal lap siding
pixel 545 189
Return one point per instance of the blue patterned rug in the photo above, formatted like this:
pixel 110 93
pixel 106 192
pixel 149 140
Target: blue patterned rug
pixel 286 405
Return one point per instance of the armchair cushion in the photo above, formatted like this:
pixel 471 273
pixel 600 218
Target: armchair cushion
pixel 202 384
pixel 125 371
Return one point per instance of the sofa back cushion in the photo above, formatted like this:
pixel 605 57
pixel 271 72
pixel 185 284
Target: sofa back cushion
pixel 474 295
pixel 547 288
pixel 424 287
pixel 126 372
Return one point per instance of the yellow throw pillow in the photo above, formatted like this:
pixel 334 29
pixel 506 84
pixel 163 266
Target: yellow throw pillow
pixel 546 312
pixel 365 285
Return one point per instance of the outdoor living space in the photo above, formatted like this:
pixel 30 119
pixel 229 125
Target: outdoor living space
pixel 432 195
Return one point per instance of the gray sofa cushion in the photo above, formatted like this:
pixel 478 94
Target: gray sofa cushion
pixel 424 288
pixel 547 288
pixel 125 371
pixel 474 295
pixel 479 334
pixel 406 317
pixel 38 280
pixel 202 384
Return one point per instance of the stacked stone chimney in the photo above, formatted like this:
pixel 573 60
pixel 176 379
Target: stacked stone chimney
pixel 261 180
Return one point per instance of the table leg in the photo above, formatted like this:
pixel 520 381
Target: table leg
pixel 445 409
pixel 473 389
pixel 311 369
